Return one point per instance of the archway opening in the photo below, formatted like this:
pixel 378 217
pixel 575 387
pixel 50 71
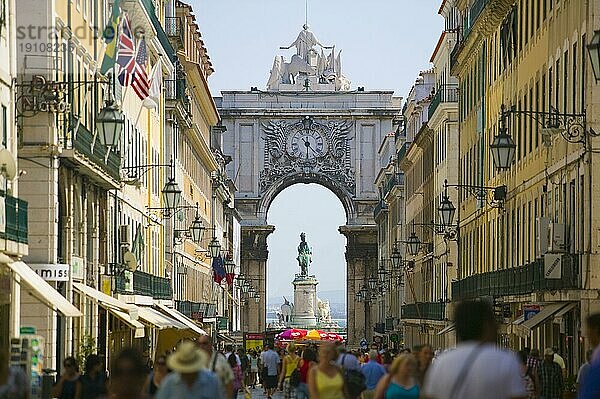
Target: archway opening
pixel 318 212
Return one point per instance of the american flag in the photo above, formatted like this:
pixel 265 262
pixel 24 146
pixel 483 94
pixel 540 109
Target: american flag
pixel 140 82
pixel 126 54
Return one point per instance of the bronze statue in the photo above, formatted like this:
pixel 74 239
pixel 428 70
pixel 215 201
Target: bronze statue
pixel 304 255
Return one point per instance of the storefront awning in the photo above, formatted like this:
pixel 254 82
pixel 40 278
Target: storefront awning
pixel 134 324
pixel 566 309
pixel 107 300
pixel 226 338
pixel 181 318
pixel 548 311
pixel 40 289
pixel 159 320
pixel 447 329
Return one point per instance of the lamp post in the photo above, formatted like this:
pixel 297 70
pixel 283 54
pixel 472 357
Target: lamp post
pixel 447 208
pixel 171 194
pixel 109 123
pixel 413 243
pixel 503 147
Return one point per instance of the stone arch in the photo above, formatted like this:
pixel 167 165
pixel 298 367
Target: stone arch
pixel 306 178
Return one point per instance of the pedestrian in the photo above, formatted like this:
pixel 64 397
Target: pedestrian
pixel 424 356
pixel 190 378
pixel 68 386
pixel 229 350
pixel 158 373
pixel 238 375
pixel 217 363
pixel 533 360
pixel 325 380
pixel 290 363
pixel 128 375
pixel 584 369
pixel 244 363
pixel 590 387
pixel 271 361
pixel 387 360
pixel 347 360
pixel 400 383
pixel 14 384
pixel 252 376
pixel 476 368
pixel 308 361
pixel 558 359
pixel 263 369
pixel 551 377
pixel 373 372
pixel 529 380
pixel 94 379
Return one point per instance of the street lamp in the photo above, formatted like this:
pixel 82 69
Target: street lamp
pixel 229 265
pixel 503 147
pixel 109 123
pixel 413 243
pixel 396 257
pixel 197 230
pixel 214 248
pixel 171 194
pixel 372 283
pixel 594 52
pixel 447 208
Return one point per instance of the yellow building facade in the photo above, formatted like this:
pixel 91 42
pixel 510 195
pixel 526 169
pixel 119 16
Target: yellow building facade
pixel 534 253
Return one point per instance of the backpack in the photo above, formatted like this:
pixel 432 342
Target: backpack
pixel 245 363
pixel 354 380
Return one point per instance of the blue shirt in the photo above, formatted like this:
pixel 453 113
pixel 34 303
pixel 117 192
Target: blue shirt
pixel 206 386
pixel 270 361
pixel 373 372
pixel 590 387
pixel 396 391
pixel 348 361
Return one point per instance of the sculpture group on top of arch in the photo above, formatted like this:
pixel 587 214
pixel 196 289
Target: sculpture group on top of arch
pixel 309 67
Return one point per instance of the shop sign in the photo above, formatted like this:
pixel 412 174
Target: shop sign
pixel 27 330
pixel 77 268
pixel 105 285
pixel 530 310
pixel 222 323
pixel 52 271
pixel 253 341
pixel 553 266
pixel 394 337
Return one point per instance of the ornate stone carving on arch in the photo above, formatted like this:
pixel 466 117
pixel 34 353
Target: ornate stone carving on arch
pixel 278 186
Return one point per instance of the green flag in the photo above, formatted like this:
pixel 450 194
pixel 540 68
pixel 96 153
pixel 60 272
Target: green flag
pixel 111 37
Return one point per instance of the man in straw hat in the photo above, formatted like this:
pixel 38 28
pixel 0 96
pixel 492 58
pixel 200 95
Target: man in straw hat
pixel 190 379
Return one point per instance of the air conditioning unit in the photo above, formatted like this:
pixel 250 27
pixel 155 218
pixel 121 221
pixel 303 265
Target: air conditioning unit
pixel 124 234
pixel 557 237
pixel 541 239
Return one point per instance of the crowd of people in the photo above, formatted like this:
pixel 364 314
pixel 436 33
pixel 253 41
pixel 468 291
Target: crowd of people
pixel 476 368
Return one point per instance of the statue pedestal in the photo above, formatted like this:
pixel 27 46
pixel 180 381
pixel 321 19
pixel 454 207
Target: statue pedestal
pixel 305 302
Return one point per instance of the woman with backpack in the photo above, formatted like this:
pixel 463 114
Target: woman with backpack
pixel 290 364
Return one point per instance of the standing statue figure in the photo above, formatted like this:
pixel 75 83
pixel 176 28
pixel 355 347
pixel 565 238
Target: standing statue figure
pixel 304 255
pixel 305 41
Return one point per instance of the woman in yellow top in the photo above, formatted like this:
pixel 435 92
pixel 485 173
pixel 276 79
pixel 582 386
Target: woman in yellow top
pixel 326 380
pixel 290 363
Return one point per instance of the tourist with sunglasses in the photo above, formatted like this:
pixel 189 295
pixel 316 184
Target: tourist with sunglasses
pixel 68 386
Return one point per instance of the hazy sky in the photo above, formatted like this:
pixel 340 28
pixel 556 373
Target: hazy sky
pixel 384 43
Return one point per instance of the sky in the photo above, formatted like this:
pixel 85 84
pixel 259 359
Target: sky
pixel 384 43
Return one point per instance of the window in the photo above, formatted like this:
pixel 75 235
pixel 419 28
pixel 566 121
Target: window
pixel 537 108
pixel 583 71
pixel 4 126
pixel 565 80
pixel 574 77
pixel 557 85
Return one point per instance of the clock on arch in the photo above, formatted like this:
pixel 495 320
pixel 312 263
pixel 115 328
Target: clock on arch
pixel 307 141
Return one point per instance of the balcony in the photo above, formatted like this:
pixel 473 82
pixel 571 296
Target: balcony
pixel 393 180
pixel 425 311
pixel 379 328
pixel 175 32
pixel 146 284
pixel 380 207
pixel 518 280
pixel 444 94
pixel 193 309
pixel 84 143
pixel 16 218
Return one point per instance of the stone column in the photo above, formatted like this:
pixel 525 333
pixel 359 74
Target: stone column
pixel 361 261
pixel 254 256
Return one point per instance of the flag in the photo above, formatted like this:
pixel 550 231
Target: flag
pixel 140 83
pixel 126 54
pixel 110 35
pixel 218 267
pixel 156 80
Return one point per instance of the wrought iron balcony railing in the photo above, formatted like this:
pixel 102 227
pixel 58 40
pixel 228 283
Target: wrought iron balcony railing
pixel 518 280
pixel 425 311
pixel 174 30
pixel 16 218
pixel 444 94
pixel 85 143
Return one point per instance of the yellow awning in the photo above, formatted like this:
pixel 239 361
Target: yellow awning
pixel 40 288
pixel 174 313
pixel 139 328
pixel 159 320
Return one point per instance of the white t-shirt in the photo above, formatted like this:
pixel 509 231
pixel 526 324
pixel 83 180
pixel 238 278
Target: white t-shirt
pixel 493 374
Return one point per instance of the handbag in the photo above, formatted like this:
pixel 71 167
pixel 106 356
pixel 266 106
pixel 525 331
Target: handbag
pixel 247 394
pixel 295 378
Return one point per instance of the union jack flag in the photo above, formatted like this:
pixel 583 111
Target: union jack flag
pixel 126 54
pixel 140 82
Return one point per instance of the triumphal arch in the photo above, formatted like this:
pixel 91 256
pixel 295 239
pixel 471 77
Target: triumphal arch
pixel 307 126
